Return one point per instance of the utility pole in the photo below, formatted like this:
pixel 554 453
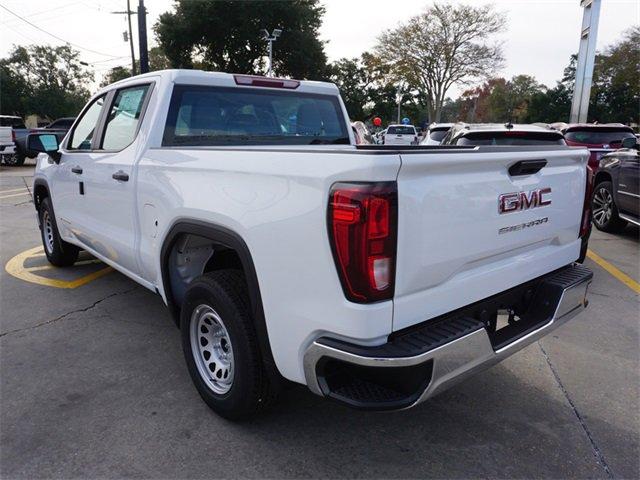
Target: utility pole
pixel 142 36
pixel 399 100
pixel 128 13
pixel 270 38
pixel 586 60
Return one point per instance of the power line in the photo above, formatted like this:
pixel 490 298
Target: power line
pixel 55 36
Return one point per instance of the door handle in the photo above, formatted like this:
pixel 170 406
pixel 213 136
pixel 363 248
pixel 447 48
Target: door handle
pixel 120 176
pixel 77 170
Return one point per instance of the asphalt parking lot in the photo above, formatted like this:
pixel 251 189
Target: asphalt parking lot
pixel 93 384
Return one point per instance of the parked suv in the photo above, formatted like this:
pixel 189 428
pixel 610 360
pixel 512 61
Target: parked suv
pixel 616 193
pixel 435 133
pixel 600 139
pixel 373 275
pixel 500 134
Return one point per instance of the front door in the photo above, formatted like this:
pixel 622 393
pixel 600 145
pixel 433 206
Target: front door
pixel 110 201
pixel 67 180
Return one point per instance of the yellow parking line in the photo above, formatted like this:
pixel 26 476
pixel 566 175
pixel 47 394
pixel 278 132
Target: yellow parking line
pixel 51 267
pixel 15 267
pixel 15 195
pixel 621 276
pixel 2 192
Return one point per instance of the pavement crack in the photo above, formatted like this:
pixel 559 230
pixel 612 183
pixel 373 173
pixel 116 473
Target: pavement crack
pixel 596 451
pixel 24 179
pixel 65 315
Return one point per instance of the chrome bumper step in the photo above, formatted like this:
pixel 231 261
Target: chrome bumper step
pixel 419 362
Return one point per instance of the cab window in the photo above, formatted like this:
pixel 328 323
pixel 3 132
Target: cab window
pixel 82 135
pixel 124 116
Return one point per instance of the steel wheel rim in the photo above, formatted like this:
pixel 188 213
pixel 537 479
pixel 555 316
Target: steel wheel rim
pixel 211 349
pixel 47 231
pixel 602 206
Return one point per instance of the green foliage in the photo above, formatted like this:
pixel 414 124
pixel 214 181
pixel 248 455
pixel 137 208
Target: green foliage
pixel 48 81
pixel 114 75
pixel 615 93
pixel 225 36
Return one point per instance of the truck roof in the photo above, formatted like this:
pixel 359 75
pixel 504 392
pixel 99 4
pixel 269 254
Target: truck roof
pixel 200 77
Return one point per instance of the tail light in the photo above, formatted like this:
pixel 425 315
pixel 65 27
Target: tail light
pixel 585 225
pixel 363 219
pixel 13 135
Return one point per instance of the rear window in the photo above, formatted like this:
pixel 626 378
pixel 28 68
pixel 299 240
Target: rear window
pixel 12 122
pixel 439 134
pixel 511 138
pixel 597 137
pixel 213 116
pixel 401 131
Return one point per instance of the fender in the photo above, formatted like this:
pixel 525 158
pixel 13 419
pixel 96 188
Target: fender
pixel 230 239
pixel 40 182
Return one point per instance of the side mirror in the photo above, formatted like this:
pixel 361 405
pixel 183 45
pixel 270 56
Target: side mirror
pixel 629 142
pixel 44 143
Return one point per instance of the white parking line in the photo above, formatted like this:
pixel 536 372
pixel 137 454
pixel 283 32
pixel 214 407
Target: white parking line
pixel 2 192
pixel 15 195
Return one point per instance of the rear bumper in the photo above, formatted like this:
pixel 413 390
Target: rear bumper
pixel 7 149
pixel 426 360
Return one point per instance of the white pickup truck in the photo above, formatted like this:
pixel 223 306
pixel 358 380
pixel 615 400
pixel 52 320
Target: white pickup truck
pixel 7 145
pixel 375 275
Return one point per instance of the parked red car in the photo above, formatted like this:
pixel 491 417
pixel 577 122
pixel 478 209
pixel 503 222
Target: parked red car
pixel 598 138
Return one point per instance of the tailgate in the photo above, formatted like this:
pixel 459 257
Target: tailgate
pixel 5 136
pixel 454 245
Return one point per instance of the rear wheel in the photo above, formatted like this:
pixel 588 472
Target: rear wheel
pixel 221 347
pixel 604 209
pixel 13 159
pixel 58 252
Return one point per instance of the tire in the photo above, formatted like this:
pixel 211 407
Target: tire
pixel 58 252
pixel 220 346
pixel 13 159
pixel 604 210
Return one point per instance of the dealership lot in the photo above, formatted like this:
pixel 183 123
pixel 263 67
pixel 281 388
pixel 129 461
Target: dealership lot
pixel 93 383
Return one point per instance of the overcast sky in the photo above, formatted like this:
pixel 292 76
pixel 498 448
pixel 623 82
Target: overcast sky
pixel 541 34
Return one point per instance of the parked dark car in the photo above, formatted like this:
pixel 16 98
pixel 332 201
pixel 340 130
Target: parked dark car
pixel 616 193
pixel 505 134
pixel 59 127
pixel 600 139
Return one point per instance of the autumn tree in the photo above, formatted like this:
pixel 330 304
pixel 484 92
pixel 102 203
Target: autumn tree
pixel 443 46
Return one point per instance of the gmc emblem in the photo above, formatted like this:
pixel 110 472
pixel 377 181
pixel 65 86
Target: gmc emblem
pixel 516 201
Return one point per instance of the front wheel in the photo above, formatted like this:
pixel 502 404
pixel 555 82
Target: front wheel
pixel 221 347
pixel 604 209
pixel 58 252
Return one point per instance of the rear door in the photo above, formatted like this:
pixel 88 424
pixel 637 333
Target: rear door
pixel 109 180
pixel 629 183
pixel 462 233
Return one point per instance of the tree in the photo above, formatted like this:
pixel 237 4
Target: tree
pixel 114 75
pixel 53 80
pixel 14 91
pixel 225 36
pixel 615 93
pixel 443 46
pixel 353 80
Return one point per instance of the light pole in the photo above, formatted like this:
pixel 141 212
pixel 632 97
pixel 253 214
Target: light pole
pixel 399 99
pixel 270 38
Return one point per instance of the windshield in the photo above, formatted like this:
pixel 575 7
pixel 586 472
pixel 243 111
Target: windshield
pixel 597 137
pixel 511 138
pixel 438 135
pixel 401 131
pixel 211 116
